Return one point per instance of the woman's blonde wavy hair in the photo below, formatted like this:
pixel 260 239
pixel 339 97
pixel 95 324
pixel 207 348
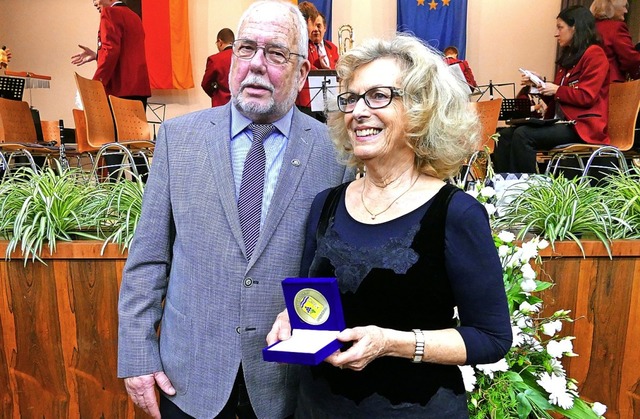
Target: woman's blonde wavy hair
pixel 442 130
pixel 605 9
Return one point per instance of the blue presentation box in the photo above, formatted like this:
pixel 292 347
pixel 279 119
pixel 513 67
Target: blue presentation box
pixel 315 313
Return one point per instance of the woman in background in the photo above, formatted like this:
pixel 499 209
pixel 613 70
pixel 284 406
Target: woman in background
pixel 406 247
pixel 579 94
pixel 624 60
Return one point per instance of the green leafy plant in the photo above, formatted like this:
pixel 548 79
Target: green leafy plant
pixel 621 194
pixel 38 209
pixel 562 209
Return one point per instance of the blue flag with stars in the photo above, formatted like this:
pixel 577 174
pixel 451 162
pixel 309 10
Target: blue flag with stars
pixel 440 23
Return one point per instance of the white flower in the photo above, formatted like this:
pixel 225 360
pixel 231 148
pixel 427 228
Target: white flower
pixel 564 400
pixel 491 209
pixel 599 409
pixel 529 250
pixel 528 285
pixel 524 321
pixel 543 244
pixel 557 348
pixel 558 369
pixel 533 343
pixel 468 376
pixel 556 386
pixel 528 272
pixel 503 251
pixel 551 328
pixel 530 308
pixel 487 192
pixel 473 193
pixel 518 337
pixel 489 369
pixel 506 236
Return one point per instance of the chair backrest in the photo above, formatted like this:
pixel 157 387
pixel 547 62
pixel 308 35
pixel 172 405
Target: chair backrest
pixel 100 128
pixel 131 119
pixel 624 104
pixel 488 112
pixel 16 122
pixel 82 146
pixel 51 131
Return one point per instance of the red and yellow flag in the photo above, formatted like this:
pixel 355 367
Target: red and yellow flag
pixel 166 27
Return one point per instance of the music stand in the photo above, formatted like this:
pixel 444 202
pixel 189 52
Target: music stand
pixel 31 80
pixel 158 111
pixel 323 88
pixel 491 87
pixel 11 88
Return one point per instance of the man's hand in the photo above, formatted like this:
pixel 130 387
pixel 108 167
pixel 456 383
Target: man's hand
pixel 281 329
pixel 141 389
pixel 83 57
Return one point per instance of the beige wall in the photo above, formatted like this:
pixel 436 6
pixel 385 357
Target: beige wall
pixel 502 36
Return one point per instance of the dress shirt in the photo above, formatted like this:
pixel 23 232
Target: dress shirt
pixel 322 53
pixel 274 146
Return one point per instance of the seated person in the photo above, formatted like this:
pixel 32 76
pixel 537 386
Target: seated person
pixel 538 107
pixel 451 58
pixel 579 92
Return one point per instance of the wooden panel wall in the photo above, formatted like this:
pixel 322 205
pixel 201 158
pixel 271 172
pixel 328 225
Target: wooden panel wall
pixel 58 335
pixel 604 297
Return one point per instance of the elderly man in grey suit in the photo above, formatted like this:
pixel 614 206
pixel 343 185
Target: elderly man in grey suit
pixel 201 286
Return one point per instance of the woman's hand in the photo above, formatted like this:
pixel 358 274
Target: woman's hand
pixel 281 329
pixel 549 89
pixel 369 343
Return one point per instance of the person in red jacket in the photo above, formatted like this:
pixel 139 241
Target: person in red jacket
pixel 624 60
pixel 322 53
pixel 122 65
pixel 451 58
pixel 579 93
pixel 216 76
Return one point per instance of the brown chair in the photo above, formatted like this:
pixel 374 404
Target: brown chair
pixel 132 128
pixel 18 139
pixel 488 113
pixel 101 134
pixel 624 105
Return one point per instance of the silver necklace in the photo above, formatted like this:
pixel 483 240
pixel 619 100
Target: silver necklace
pixel 375 214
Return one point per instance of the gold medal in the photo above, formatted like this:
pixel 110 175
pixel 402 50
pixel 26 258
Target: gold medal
pixel 311 306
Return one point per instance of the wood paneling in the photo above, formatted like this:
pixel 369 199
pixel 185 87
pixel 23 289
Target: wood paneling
pixel 58 335
pixel 604 297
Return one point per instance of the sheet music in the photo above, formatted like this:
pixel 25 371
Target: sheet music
pixel 317 95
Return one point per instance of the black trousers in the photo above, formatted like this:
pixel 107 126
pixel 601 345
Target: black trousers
pixel 516 149
pixel 238 404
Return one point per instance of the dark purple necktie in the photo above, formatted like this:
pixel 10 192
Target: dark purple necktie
pixel 252 187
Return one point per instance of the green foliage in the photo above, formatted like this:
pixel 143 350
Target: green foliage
pixel 568 209
pixel 622 197
pixel 38 209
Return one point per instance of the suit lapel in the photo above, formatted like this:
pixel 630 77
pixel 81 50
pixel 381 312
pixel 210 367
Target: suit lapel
pixel 295 161
pixel 219 157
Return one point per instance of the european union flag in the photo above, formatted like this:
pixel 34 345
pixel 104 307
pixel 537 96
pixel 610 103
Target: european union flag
pixel 440 23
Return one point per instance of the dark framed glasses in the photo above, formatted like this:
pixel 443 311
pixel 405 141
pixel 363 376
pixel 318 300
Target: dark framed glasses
pixel 246 49
pixel 374 98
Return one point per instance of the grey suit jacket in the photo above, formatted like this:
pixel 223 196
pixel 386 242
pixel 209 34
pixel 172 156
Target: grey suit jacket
pixel 189 252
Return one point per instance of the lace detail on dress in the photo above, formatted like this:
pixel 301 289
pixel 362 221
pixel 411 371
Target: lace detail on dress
pixel 353 264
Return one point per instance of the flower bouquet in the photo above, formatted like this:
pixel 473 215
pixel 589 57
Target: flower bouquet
pixel 530 381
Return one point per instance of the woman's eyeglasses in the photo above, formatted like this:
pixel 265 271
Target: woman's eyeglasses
pixel 374 98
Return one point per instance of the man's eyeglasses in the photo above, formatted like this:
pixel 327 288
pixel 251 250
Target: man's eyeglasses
pixel 274 54
pixel 375 98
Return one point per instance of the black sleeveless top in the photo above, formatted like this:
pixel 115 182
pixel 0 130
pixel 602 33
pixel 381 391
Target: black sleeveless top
pixel 401 285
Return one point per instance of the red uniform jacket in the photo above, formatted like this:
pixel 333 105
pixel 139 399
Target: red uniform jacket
pixel 618 46
pixel 304 97
pixel 216 77
pixel 466 70
pixel 122 65
pixel 583 95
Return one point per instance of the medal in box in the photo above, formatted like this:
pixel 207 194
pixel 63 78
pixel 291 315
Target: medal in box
pixel 315 313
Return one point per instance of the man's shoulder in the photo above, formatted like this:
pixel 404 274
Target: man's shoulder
pixel 209 118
